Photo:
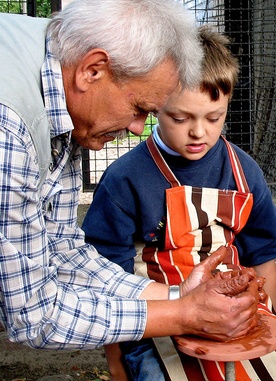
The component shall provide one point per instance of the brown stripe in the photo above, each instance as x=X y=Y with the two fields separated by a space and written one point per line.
x=191 y=367
x=206 y=243
x=202 y=217
x=201 y=214
x=261 y=370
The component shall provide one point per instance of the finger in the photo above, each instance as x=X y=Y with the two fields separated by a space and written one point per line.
x=223 y=275
x=232 y=286
x=262 y=295
x=226 y=274
x=249 y=271
x=231 y=266
x=217 y=257
x=260 y=281
x=253 y=288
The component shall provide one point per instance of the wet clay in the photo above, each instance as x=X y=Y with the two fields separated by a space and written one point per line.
x=259 y=342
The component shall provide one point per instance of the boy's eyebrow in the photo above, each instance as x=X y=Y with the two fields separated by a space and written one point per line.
x=178 y=109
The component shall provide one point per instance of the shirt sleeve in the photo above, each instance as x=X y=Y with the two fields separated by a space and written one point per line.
x=56 y=291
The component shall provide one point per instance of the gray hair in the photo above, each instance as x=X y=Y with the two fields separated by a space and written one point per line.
x=137 y=34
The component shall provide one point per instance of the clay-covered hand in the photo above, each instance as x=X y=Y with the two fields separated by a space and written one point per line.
x=261 y=295
x=223 y=309
x=204 y=270
x=207 y=270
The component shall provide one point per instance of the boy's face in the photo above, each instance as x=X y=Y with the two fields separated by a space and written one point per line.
x=190 y=123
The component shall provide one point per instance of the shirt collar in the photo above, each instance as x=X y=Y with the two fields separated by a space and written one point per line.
x=54 y=95
x=161 y=144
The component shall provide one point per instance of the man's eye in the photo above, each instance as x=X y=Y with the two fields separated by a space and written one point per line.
x=140 y=111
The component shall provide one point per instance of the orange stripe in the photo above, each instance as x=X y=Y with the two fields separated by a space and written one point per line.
x=213 y=370
x=242 y=205
x=244 y=213
x=241 y=374
x=179 y=218
x=173 y=276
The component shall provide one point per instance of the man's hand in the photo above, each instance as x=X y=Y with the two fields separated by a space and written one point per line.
x=204 y=270
x=217 y=305
x=222 y=309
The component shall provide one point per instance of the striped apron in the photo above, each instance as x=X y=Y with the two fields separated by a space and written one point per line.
x=199 y=221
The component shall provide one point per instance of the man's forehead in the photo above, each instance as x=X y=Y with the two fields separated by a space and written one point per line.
x=153 y=101
x=149 y=93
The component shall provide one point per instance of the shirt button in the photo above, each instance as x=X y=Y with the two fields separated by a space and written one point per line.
x=55 y=152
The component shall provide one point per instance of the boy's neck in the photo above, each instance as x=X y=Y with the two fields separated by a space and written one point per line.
x=161 y=144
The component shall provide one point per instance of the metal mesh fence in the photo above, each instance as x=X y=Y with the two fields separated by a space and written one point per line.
x=251 y=26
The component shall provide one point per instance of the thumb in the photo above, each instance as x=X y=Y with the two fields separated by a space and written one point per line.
x=210 y=263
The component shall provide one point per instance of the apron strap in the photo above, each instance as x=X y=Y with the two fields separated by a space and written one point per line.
x=170 y=177
x=237 y=168
x=161 y=163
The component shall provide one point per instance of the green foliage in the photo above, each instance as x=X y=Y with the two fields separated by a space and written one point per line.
x=11 y=7
x=43 y=7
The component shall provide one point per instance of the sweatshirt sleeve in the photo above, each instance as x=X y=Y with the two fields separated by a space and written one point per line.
x=110 y=227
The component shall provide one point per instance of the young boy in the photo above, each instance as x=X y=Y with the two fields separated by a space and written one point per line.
x=176 y=198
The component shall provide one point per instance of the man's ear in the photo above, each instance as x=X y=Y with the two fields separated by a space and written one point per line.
x=92 y=67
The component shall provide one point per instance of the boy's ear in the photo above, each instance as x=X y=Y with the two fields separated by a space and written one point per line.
x=92 y=67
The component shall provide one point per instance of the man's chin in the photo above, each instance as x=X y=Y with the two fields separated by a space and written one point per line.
x=98 y=144
x=122 y=134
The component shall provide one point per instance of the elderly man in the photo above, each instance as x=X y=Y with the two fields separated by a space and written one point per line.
x=106 y=64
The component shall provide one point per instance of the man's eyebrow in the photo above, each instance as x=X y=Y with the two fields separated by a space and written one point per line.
x=146 y=109
x=143 y=110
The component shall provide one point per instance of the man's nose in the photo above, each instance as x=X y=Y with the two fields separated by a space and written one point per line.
x=138 y=125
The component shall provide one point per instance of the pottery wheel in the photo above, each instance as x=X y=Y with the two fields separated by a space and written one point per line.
x=259 y=342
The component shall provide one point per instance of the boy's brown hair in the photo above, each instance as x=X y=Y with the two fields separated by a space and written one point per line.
x=220 y=68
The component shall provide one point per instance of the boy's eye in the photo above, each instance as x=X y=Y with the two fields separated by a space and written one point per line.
x=179 y=120
x=213 y=120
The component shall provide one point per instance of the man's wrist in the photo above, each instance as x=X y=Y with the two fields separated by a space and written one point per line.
x=174 y=292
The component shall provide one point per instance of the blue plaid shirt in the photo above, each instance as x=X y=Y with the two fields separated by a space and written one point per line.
x=56 y=291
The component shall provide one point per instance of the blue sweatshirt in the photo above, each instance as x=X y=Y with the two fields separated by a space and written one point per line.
x=129 y=203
